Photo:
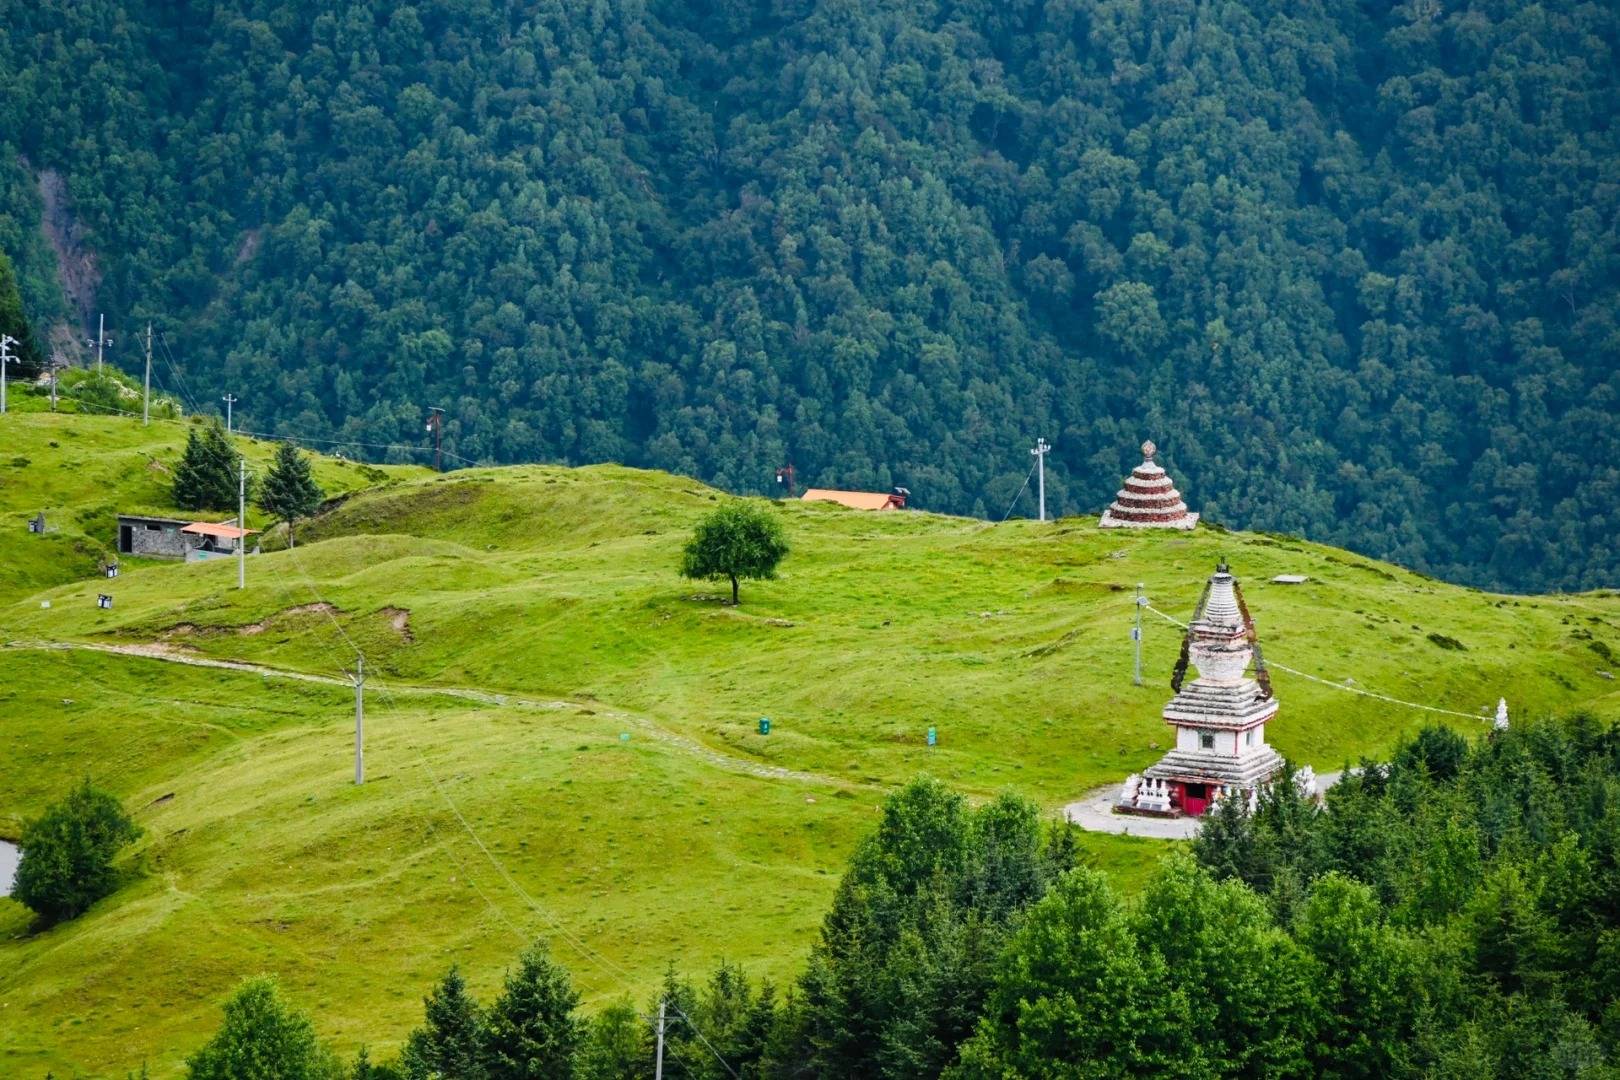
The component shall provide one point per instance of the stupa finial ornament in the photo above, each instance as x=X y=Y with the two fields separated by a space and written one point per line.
x=1148 y=450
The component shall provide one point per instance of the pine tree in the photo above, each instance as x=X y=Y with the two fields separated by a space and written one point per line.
x=263 y=1038
x=289 y=491
x=206 y=478
x=532 y=1031
x=451 y=1036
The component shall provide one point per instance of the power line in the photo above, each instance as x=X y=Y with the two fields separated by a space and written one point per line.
x=1328 y=682
x=1021 y=488
x=174 y=369
x=556 y=924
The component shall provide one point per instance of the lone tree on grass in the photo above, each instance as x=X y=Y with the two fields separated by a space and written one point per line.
x=68 y=853
x=736 y=541
x=206 y=477
x=289 y=491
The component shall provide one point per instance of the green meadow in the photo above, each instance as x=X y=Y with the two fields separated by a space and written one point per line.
x=562 y=734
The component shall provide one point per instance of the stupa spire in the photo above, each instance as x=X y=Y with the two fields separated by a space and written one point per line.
x=1148 y=500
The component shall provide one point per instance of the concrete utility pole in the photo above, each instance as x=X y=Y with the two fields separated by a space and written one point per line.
x=436 y=425
x=146 y=398
x=658 y=1062
x=101 y=340
x=360 y=720
x=1136 y=633
x=6 y=360
x=229 y=400
x=1042 y=448
x=56 y=365
x=241 y=522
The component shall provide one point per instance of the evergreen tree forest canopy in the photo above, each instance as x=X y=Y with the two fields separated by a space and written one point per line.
x=1454 y=912
x=1356 y=267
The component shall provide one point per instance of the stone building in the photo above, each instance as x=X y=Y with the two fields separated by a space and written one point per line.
x=156 y=537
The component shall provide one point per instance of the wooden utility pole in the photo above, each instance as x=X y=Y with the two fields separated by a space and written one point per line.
x=146 y=398
x=785 y=475
x=436 y=425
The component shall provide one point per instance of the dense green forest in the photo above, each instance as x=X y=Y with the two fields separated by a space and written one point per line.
x=1355 y=266
x=1454 y=912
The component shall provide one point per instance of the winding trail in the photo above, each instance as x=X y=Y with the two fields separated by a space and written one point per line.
x=1093 y=812
x=676 y=741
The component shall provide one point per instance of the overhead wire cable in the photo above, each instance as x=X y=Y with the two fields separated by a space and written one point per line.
x=1335 y=685
x=1021 y=489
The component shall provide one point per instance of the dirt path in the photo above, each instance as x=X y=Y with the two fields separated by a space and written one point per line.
x=681 y=743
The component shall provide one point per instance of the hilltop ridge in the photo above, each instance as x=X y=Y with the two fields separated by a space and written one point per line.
x=552 y=708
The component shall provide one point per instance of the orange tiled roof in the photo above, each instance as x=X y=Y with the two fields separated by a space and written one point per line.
x=855 y=500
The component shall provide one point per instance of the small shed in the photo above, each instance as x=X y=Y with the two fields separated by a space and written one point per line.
x=859 y=500
x=213 y=540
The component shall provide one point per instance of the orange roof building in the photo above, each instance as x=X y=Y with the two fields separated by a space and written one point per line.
x=858 y=500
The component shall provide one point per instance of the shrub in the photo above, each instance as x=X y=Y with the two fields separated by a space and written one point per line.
x=68 y=853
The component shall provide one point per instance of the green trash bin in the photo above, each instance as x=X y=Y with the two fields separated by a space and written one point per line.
x=764 y=725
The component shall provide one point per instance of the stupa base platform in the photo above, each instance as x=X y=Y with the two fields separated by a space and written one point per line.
x=1184 y=522
x=1138 y=811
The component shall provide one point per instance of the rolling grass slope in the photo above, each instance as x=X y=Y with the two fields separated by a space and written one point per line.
x=546 y=598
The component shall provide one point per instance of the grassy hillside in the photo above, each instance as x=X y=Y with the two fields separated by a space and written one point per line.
x=551 y=593
x=82 y=471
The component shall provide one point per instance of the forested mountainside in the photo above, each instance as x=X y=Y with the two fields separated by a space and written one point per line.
x=1355 y=267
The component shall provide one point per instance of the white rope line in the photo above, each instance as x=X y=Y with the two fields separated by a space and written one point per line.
x=1270 y=663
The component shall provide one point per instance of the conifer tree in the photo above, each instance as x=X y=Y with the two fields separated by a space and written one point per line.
x=532 y=1032
x=263 y=1038
x=615 y=1046
x=289 y=491
x=13 y=322
x=206 y=478
x=449 y=1042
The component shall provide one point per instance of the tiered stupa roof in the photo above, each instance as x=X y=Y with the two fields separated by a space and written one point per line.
x=1148 y=500
x=1220 y=643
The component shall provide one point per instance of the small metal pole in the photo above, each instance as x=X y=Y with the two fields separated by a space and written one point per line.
x=658 y=1066
x=1042 y=448
x=241 y=522
x=146 y=393
x=360 y=721
x=6 y=359
x=1141 y=602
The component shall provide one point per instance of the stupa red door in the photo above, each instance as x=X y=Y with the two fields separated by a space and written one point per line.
x=1194 y=798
